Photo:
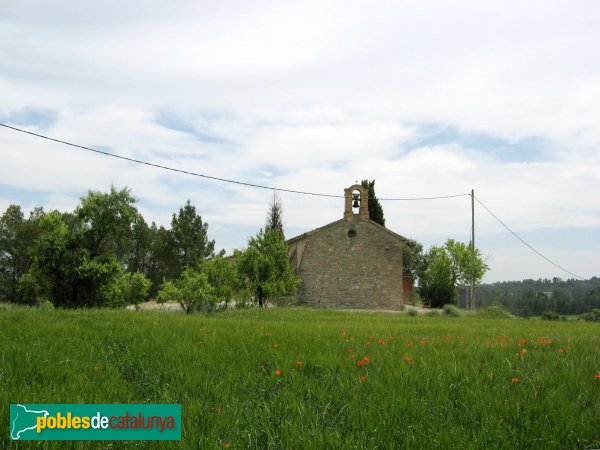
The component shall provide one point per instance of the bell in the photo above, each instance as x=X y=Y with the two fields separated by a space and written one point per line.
x=355 y=204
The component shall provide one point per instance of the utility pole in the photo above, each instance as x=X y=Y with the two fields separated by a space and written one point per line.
x=472 y=293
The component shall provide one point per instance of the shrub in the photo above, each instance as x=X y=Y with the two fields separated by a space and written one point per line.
x=192 y=291
x=493 y=312
x=412 y=312
x=45 y=305
x=550 y=315
x=433 y=313
x=592 y=316
x=452 y=310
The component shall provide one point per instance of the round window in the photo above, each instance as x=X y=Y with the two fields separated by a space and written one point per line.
x=352 y=233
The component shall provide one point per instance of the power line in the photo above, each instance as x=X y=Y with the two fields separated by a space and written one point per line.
x=210 y=177
x=520 y=239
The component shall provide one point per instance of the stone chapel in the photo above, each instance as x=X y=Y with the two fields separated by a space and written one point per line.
x=352 y=262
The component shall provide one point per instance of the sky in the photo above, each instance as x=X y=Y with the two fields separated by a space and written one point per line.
x=428 y=98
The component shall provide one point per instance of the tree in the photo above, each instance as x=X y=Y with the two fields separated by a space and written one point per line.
x=375 y=208
x=436 y=279
x=57 y=255
x=79 y=259
x=266 y=268
x=16 y=239
x=141 y=246
x=444 y=267
x=192 y=291
x=190 y=238
x=412 y=257
x=164 y=261
x=223 y=277
x=107 y=219
x=274 y=220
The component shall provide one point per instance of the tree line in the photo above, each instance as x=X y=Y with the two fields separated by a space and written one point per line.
x=104 y=254
x=533 y=297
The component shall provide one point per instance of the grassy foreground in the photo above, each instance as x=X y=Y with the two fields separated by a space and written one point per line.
x=300 y=378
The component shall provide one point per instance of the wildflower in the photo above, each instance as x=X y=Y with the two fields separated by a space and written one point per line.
x=522 y=342
x=515 y=380
x=369 y=343
x=366 y=360
x=218 y=410
x=343 y=332
x=560 y=350
x=597 y=377
x=363 y=377
x=275 y=345
x=421 y=342
x=352 y=357
x=381 y=342
x=227 y=445
x=522 y=352
x=410 y=344
x=360 y=363
x=406 y=357
x=350 y=350
x=371 y=337
x=277 y=372
x=299 y=363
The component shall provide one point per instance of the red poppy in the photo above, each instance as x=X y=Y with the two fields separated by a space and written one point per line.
x=277 y=372
x=299 y=363
x=343 y=332
x=597 y=377
x=359 y=363
x=381 y=342
x=515 y=380
x=363 y=377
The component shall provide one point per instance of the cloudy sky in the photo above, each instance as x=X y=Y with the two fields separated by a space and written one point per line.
x=428 y=98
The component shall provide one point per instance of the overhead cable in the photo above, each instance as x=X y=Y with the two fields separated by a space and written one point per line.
x=210 y=177
x=530 y=247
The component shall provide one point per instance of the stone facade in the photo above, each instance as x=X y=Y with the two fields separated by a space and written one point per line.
x=350 y=263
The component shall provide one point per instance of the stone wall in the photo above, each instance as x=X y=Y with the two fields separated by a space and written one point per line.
x=350 y=264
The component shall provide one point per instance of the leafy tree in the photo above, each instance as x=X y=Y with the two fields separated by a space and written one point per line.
x=375 y=208
x=274 y=220
x=57 y=255
x=164 y=262
x=190 y=238
x=223 y=277
x=192 y=291
x=107 y=219
x=129 y=289
x=141 y=246
x=266 y=268
x=16 y=239
x=437 y=281
x=78 y=259
x=412 y=257
x=443 y=268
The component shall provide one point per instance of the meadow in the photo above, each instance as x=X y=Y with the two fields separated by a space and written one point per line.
x=303 y=378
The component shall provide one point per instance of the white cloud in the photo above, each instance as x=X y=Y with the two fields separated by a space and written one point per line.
x=310 y=96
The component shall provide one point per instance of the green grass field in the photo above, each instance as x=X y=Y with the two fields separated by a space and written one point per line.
x=344 y=379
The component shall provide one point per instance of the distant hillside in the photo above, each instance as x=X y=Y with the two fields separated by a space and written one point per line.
x=532 y=297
